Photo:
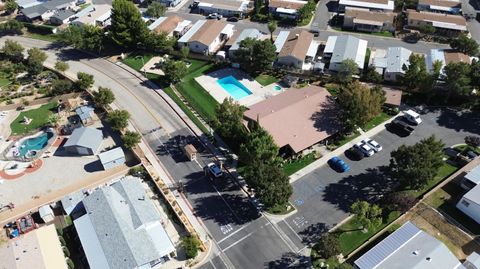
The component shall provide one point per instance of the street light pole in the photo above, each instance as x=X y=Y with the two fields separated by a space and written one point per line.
x=143 y=65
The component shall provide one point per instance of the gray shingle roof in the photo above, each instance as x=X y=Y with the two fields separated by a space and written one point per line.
x=54 y=4
x=409 y=247
x=111 y=155
x=252 y=33
x=396 y=58
x=85 y=137
x=34 y=11
x=84 y=112
x=62 y=15
x=346 y=47
x=118 y=214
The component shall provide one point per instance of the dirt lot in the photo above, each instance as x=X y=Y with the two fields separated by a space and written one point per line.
x=429 y=220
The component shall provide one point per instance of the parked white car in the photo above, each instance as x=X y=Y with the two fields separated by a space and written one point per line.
x=364 y=148
x=412 y=117
x=373 y=144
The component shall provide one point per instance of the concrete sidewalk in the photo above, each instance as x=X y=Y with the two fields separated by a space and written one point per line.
x=323 y=160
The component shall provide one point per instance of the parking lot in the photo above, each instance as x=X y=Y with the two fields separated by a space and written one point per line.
x=323 y=197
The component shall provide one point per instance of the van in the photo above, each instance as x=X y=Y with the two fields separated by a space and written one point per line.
x=412 y=117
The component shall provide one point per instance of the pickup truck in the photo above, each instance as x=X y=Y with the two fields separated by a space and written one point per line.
x=400 y=127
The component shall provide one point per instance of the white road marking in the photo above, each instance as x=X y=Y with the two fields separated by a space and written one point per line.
x=219 y=194
x=214 y=267
x=225 y=238
x=226 y=228
x=290 y=227
x=238 y=241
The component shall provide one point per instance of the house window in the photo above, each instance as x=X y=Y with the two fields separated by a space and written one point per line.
x=465 y=203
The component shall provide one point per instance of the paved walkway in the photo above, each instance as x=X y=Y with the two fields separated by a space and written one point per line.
x=323 y=160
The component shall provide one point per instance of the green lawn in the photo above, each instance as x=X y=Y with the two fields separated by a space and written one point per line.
x=377 y=120
x=294 y=166
x=280 y=209
x=265 y=79
x=198 y=98
x=384 y=34
x=46 y=37
x=465 y=147
x=4 y=82
x=343 y=140
x=135 y=60
x=445 y=170
x=351 y=236
x=39 y=118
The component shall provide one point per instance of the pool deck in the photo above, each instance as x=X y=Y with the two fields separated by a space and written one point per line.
x=259 y=92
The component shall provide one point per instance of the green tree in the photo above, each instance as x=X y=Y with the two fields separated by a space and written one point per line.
x=11 y=6
x=61 y=86
x=11 y=27
x=272 y=26
x=472 y=140
x=255 y=56
x=415 y=165
x=118 y=119
x=184 y=52
x=103 y=97
x=465 y=45
x=228 y=123
x=400 y=201
x=328 y=246
x=475 y=73
x=61 y=66
x=88 y=37
x=53 y=120
x=84 y=81
x=343 y=266
x=271 y=184
x=190 y=244
x=370 y=75
x=156 y=10
x=259 y=146
x=457 y=79
x=305 y=13
x=415 y=73
x=347 y=69
x=367 y=215
x=127 y=28
x=131 y=139
x=427 y=29
x=174 y=70
x=359 y=104
x=158 y=42
x=257 y=6
x=13 y=50
x=35 y=61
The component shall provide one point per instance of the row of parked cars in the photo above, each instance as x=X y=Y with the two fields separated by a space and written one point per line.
x=368 y=147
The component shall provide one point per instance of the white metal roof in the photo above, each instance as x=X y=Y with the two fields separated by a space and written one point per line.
x=280 y=40
x=228 y=29
x=192 y=31
x=473 y=195
x=91 y=245
x=286 y=11
x=433 y=56
x=160 y=238
x=111 y=155
x=474 y=175
x=330 y=44
x=182 y=25
x=396 y=58
x=364 y=4
x=312 y=49
x=445 y=25
x=156 y=23
x=45 y=210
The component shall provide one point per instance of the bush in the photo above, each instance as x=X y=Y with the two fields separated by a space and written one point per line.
x=70 y=263
x=191 y=245
x=473 y=141
x=328 y=246
x=39 y=28
x=66 y=252
x=62 y=240
x=139 y=171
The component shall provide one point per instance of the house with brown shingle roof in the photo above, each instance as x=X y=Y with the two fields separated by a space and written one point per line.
x=364 y=20
x=297 y=118
x=444 y=23
x=171 y=25
x=298 y=51
x=206 y=36
x=445 y=57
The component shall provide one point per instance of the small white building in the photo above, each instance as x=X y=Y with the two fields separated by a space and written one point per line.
x=285 y=8
x=46 y=213
x=373 y=5
x=227 y=8
x=206 y=37
x=470 y=204
x=340 y=48
x=391 y=65
x=98 y=15
x=112 y=158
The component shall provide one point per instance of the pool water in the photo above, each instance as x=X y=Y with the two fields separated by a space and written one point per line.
x=34 y=144
x=277 y=88
x=236 y=89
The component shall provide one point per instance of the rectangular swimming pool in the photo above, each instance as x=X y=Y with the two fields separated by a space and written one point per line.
x=236 y=89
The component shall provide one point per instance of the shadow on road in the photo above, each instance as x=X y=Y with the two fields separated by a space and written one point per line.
x=289 y=260
x=174 y=147
x=467 y=121
x=312 y=233
x=365 y=186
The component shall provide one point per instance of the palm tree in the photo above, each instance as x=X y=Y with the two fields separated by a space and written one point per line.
x=272 y=26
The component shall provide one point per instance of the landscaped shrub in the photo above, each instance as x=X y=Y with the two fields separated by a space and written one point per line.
x=191 y=245
x=70 y=263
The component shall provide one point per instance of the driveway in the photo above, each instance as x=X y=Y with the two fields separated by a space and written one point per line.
x=323 y=197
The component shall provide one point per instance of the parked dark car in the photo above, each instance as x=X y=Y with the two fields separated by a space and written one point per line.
x=400 y=127
x=354 y=154
x=232 y=19
x=338 y=165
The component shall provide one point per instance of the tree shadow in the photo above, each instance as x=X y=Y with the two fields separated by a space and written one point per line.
x=174 y=147
x=332 y=6
x=290 y=260
x=369 y=186
x=327 y=118
x=312 y=233
x=466 y=121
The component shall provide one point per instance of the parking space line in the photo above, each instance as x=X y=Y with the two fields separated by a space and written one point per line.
x=214 y=267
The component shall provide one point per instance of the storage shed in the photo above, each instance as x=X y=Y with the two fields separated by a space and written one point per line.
x=112 y=158
x=84 y=141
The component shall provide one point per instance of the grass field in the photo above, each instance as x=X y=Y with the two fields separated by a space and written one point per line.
x=4 y=82
x=135 y=60
x=377 y=120
x=265 y=79
x=47 y=37
x=281 y=209
x=39 y=118
x=383 y=34
x=198 y=98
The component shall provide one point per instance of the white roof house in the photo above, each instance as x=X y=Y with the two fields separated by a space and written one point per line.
x=340 y=48
x=96 y=15
x=247 y=33
x=470 y=203
x=122 y=228
x=280 y=40
x=409 y=247
x=186 y=37
x=474 y=175
x=385 y=5
x=392 y=64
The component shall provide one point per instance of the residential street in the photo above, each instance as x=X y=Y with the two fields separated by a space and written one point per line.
x=226 y=212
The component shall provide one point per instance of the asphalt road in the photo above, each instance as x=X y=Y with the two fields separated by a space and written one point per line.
x=229 y=217
x=324 y=196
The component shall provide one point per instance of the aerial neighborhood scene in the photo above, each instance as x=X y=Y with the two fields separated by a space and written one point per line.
x=326 y=134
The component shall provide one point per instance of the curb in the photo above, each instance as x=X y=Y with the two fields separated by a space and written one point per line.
x=281 y=217
x=207 y=255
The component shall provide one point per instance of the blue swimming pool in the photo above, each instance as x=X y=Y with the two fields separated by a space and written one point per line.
x=236 y=89
x=33 y=144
